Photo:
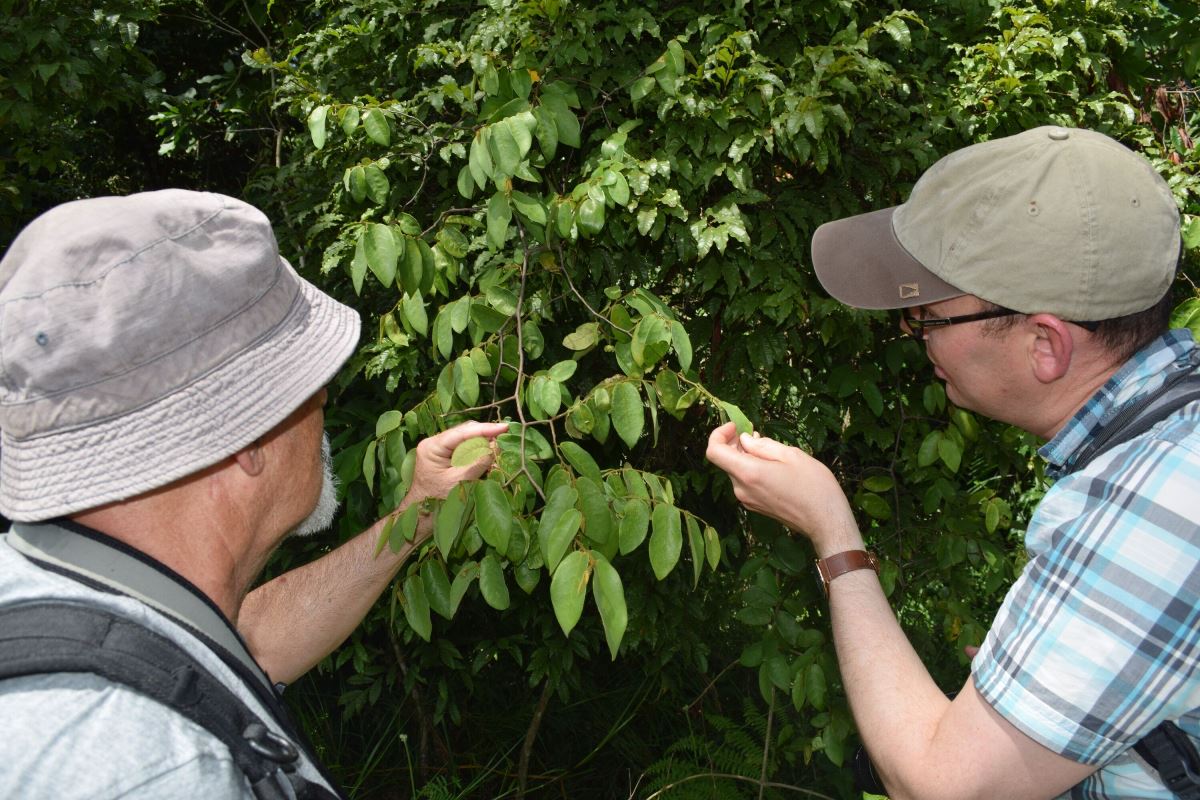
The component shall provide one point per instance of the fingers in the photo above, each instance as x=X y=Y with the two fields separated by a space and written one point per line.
x=442 y=445
x=763 y=447
x=722 y=446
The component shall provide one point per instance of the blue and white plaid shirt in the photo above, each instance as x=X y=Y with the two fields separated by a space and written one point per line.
x=1098 y=641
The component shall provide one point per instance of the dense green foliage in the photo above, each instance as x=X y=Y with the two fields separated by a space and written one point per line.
x=592 y=220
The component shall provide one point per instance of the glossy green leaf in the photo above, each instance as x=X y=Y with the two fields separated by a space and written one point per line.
x=469 y=451
x=590 y=216
x=416 y=607
x=358 y=184
x=375 y=123
x=815 y=686
x=351 y=116
x=568 y=589
x=666 y=539
x=928 y=452
x=738 y=418
x=562 y=371
x=682 y=345
x=493 y=514
x=609 y=594
x=550 y=533
x=466 y=382
x=447 y=522
x=635 y=523
x=379 y=247
x=597 y=516
x=368 y=466
x=695 y=548
x=316 y=125
x=437 y=587
x=499 y=214
x=628 y=415
x=377 y=184
x=583 y=337
x=480 y=160
x=712 y=547
x=467 y=573
x=492 y=584
x=506 y=154
x=560 y=536
x=580 y=459
x=412 y=264
x=949 y=452
x=414 y=311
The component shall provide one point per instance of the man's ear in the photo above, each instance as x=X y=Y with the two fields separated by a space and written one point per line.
x=251 y=458
x=1052 y=347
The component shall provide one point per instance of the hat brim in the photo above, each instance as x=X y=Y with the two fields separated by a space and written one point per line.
x=209 y=419
x=860 y=262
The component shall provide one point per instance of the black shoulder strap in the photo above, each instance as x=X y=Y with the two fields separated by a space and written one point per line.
x=1134 y=420
x=1169 y=750
x=60 y=636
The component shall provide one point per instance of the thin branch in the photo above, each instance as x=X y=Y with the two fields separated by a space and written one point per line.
x=762 y=775
x=531 y=737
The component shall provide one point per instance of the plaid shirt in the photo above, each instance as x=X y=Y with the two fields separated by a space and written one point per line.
x=1098 y=640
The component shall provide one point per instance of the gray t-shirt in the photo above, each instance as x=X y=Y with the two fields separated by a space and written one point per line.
x=67 y=736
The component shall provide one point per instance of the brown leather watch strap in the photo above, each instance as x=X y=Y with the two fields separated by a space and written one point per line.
x=841 y=563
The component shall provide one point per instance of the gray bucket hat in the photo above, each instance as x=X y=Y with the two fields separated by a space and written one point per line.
x=144 y=338
x=1053 y=220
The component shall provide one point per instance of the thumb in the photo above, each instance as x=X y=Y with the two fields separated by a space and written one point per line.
x=764 y=447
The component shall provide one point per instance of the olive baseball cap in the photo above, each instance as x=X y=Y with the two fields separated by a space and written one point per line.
x=1054 y=220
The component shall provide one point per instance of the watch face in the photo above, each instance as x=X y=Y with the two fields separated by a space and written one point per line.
x=820 y=578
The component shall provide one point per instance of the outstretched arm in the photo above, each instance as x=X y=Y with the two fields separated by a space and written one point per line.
x=292 y=622
x=923 y=745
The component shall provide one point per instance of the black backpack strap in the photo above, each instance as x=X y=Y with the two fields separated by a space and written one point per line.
x=1170 y=751
x=58 y=636
x=1139 y=417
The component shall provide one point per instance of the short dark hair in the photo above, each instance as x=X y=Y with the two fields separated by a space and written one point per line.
x=1122 y=336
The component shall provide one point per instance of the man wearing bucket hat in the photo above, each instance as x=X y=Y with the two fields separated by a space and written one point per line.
x=162 y=374
x=1036 y=269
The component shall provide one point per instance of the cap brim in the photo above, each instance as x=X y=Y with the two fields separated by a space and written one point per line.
x=860 y=262
x=202 y=423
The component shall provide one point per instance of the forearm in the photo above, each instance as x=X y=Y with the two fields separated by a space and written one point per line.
x=895 y=703
x=292 y=622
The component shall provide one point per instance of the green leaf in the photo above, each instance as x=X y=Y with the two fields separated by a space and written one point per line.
x=546 y=132
x=412 y=265
x=413 y=306
x=466 y=382
x=499 y=214
x=609 y=594
x=585 y=336
x=405 y=527
x=316 y=125
x=640 y=88
x=991 y=518
x=350 y=119
x=696 y=548
x=491 y=582
x=580 y=459
x=628 y=416
x=949 y=452
x=469 y=451
x=368 y=466
x=529 y=207
x=462 y=582
x=447 y=522
x=376 y=125
x=466 y=183
x=740 y=420
x=590 y=216
x=562 y=371
x=712 y=547
x=815 y=687
x=597 y=516
x=928 y=452
x=650 y=339
x=358 y=266
x=875 y=506
x=388 y=421
x=493 y=514
x=505 y=150
x=380 y=249
x=568 y=588
x=666 y=540
x=437 y=587
x=480 y=160
x=635 y=523
x=567 y=124
x=682 y=345
x=377 y=184
x=357 y=177
x=416 y=607
x=552 y=529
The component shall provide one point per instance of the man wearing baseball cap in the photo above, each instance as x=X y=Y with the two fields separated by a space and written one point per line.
x=162 y=374
x=1036 y=269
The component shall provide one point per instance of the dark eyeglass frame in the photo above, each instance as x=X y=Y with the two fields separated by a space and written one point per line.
x=917 y=326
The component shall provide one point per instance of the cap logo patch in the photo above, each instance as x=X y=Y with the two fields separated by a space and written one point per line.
x=909 y=291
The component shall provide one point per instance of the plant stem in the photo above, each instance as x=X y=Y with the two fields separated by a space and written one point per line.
x=530 y=737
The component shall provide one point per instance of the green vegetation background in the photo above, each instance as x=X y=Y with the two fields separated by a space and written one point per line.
x=593 y=219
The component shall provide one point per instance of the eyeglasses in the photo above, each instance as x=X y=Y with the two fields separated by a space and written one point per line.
x=917 y=326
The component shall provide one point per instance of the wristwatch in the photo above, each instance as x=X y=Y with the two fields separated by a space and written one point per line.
x=843 y=562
